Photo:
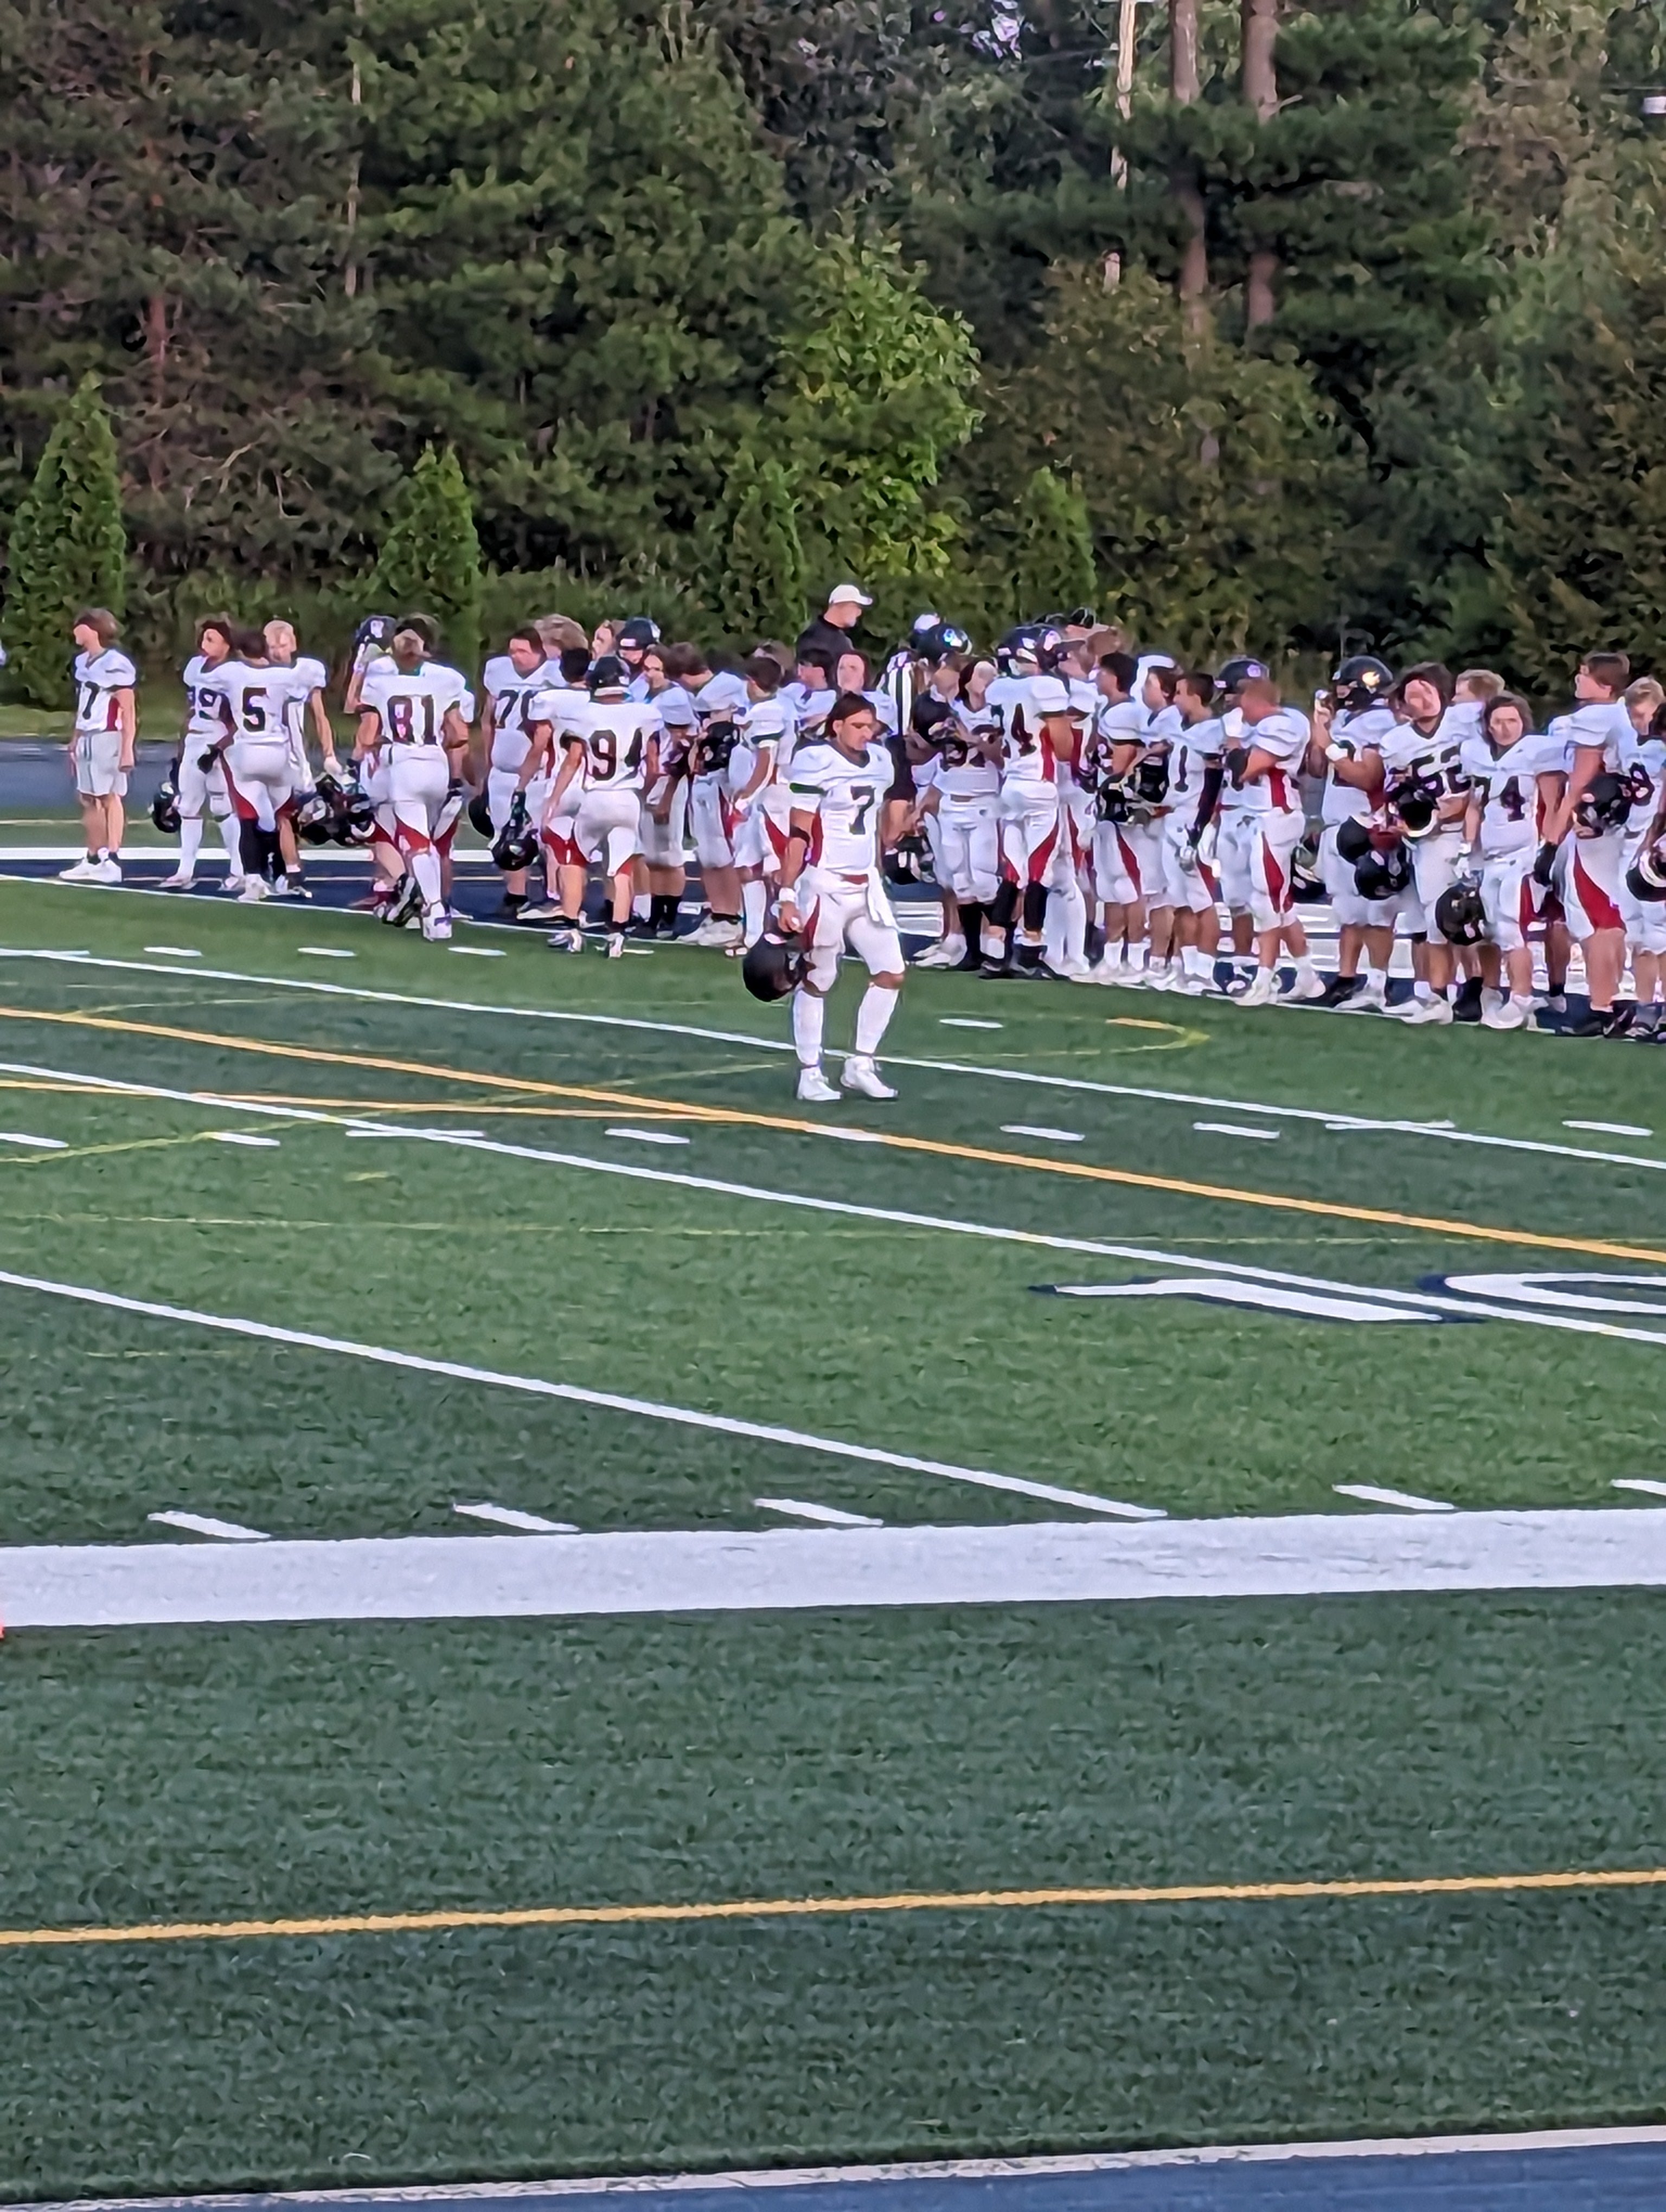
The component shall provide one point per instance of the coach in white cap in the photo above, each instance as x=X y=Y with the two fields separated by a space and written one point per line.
x=829 y=634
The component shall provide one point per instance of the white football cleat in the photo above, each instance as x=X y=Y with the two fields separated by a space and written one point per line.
x=179 y=881
x=436 y=927
x=78 y=872
x=566 y=940
x=860 y=1074
x=234 y=886
x=616 y=944
x=253 y=891
x=814 y=1089
x=108 y=871
x=1509 y=1016
x=1429 y=1012
x=1369 y=999
x=1263 y=990
x=947 y=952
x=1304 y=988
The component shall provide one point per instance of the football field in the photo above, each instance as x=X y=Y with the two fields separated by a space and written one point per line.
x=671 y=1642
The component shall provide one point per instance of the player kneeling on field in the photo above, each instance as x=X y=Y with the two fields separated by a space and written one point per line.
x=832 y=892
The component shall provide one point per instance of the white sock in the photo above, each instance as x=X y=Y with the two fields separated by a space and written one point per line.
x=1522 y=999
x=643 y=905
x=953 y=945
x=1192 y=960
x=1136 y=959
x=1113 y=954
x=754 y=905
x=1304 y=967
x=809 y=1014
x=1075 y=924
x=231 y=837
x=190 y=842
x=1422 y=990
x=425 y=866
x=872 y=1019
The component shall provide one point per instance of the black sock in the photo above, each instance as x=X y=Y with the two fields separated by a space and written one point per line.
x=1004 y=906
x=1030 y=955
x=971 y=924
x=662 y=910
x=1035 y=905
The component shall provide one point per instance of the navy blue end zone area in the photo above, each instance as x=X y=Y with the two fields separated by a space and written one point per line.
x=1586 y=2170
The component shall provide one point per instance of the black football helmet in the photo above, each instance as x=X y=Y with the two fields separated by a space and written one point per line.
x=1307 y=885
x=480 y=817
x=165 y=806
x=1459 y=914
x=1645 y=878
x=355 y=817
x=1605 y=804
x=1149 y=779
x=1362 y=681
x=908 y=861
x=316 y=815
x=1353 y=841
x=373 y=636
x=610 y=673
x=1382 y=875
x=640 y=630
x=1236 y=673
x=1022 y=643
x=1416 y=799
x=774 y=967
x=940 y=641
x=516 y=845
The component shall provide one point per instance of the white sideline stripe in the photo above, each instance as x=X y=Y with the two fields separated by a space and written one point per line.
x=1073 y=2162
x=647 y=1136
x=176 y=951
x=1640 y=1482
x=506 y=1516
x=1407 y=1499
x=964 y=1022
x=1270 y=1297
x=203 y=1524
x=1033 y=1129
x=796 y=1569
x=315 y=952
x=830 y=1515
x=612 y=1402
x=1481 y=1306
x=1611 y=1128
x=241 y=1137
x=1236 y=1129
x=479 y=951
x=38 y=1144
x=1325 y=1117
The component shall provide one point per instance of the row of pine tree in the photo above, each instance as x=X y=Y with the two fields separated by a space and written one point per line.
x=1297 y=323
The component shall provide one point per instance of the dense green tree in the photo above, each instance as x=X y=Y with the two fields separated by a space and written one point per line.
x=430 y=558
x=1053 y=556
x=68 y=547
x=757 y=558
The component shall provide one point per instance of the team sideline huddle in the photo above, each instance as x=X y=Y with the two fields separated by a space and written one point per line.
x=1086 y=812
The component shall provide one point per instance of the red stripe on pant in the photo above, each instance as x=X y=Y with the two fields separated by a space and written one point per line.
x=1600 y=908
x=408 y=840
x=1130 y=864
x=245 y=809
x=1278 y=883
x=1042 y=858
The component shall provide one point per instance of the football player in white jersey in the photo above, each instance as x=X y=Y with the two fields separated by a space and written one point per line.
x=1121 y=857
x=665 y=803
x=1645 y=919
x=1588 y=830
x=611 y=748
x=303 y=680
x=1426 y=790
x=761 y=804
x=1265 y=765
x=1152 y=772
x=411 y=710
x=101 y=750
x=959 y=788
x=198 y=776
x=1193 y=888
x=512 y=680
x=1515 y=779
x=1351 y=723
x=1030 y=711
x=833 y=894
x=718 y=703
x=253 y=749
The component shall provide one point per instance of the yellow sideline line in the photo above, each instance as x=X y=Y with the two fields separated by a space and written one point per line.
x=824 y=1908
x=1080 y=1170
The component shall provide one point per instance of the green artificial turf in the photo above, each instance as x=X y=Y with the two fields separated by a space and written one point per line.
x=253 y=1772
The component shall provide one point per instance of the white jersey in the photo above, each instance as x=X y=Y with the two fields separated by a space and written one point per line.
x=960 y=770
x=1646 y=764
x=1284 y=734
x=204 y=720
x=768 y=727
x=719 y=705
x=674 y=707
x=1196 y=751
x=1436 y=757
x=1506 y=785
x=292 y=685
x=615 y=736
x=1017 y=707
x=1363 y=733
x=1603 y=723
x=845 y=797
x=511 y=696
x=412 y=704
x=252 y=704
x=1115 y=722
x=98 y=676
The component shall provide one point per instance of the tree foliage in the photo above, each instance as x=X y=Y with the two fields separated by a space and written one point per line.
x=430 y=558
x=67 y=548
x=757 y=558
x=1053 y=556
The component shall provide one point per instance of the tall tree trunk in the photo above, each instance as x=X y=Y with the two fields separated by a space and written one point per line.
x=1127 y=31
x=1259 y=22
x=1185 y=87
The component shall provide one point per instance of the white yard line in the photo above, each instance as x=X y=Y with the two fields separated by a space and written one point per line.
x=508 y=1516
x=647 y=1136
x=1611 y=1128
x=792 y=1570
x=613 y=1401
x=203 y=1524
x=1047 y=1136
x=1268 y=1297
x=176 y=951
x=240 y=1137
x=1640 y=1482
x=1482 y=1305
x=1407 y=1500
x=1236 y=1129
x=35 y=1143
x=1324 y=1117
x=830 y=1515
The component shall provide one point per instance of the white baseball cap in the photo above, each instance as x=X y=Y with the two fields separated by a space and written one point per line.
x=848 y=595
